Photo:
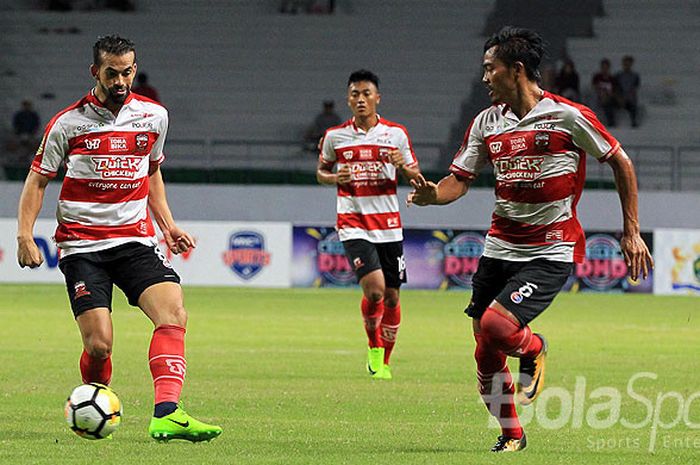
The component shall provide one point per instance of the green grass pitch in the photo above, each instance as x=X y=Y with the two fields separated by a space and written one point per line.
x=283 y=372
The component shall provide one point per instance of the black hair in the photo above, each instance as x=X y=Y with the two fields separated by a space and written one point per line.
x=113 y=45
x=518 y=44
x=364 y=75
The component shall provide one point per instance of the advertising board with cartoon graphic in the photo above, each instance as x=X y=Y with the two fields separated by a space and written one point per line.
x=677 y=257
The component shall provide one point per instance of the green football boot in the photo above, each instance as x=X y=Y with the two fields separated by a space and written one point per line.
x=180 y=425
x=375 y=361
x=384 y=373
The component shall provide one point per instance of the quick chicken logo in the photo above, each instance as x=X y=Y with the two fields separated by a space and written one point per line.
x=518 y=168
x=117 y=167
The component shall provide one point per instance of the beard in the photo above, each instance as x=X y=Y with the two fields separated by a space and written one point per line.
x=117 y=98
x=113 y=97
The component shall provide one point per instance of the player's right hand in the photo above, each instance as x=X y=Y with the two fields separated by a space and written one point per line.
x=343 y=176
x=424 y=192
x=28 y=253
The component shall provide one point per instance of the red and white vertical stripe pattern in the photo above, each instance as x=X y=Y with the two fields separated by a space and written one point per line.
x=104 y=196
x=368 y=207
x=539 y=165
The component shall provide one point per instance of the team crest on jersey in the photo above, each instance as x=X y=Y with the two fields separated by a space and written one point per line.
x=92 y=144
x=141 y=142
x=541 y=141
x=347 y=154
x=246 y=254
x=495 y=147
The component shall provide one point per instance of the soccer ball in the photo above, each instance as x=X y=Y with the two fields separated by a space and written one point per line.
x=93 y=411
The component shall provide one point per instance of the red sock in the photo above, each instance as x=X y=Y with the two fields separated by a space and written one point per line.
x=508 y=336
x=389 y=327
x=166 y=358
x=95 y=370
x=372 y=314
x=496 y=386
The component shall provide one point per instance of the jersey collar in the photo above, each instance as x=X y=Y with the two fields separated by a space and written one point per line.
x=354 y=126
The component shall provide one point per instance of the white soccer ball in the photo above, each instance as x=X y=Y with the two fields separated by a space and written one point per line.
x=93 y=411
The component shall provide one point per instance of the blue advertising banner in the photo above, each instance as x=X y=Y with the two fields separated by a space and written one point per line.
x=448 y=258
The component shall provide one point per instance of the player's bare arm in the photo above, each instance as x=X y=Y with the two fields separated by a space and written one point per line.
x=637 y=256
x=178 y=240
x=30 y=202
x=326 y=176
x=409 y=172
x=425 y=192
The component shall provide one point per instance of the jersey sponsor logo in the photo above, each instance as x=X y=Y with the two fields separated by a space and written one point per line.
x=92 y=144
x=81 y=290
x=365 y=154
x=89 y=127
x=141 y=142
x=117 y=167
x=141 y=115
x=142 y=125
x=118 y=144
x=392 y=222
x=518 y=143
x=461 y=257
x=246 y=255
x=496 y=147
x=518 y=168
x=555 y=235
x=548 y=126
x=364 y=171
x=541 y=141
x=523 y=292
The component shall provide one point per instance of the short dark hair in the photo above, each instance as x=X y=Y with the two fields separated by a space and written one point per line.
x=113 y=44
x=363 y=75
x=518 y=44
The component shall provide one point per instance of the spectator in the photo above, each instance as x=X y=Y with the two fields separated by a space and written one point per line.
x=604 y=86
x=144 y=88
x=324 y=120
x=628 y=82
x=567 y=82
x=26 y=123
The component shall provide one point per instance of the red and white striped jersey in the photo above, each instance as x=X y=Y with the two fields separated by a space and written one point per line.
x=367 y=206
x=540 y=167
x=104 y=197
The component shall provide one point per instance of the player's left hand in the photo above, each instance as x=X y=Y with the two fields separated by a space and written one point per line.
x=178 y=240
x=637 y=256
x=396 y=158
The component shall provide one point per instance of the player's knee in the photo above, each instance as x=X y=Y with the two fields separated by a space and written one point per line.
x=99 y=348
x=490 y=325
x=391 y=298
x=179 y=315
x=375 y=295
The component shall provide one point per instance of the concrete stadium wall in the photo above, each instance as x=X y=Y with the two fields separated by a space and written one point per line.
x=316 y=205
